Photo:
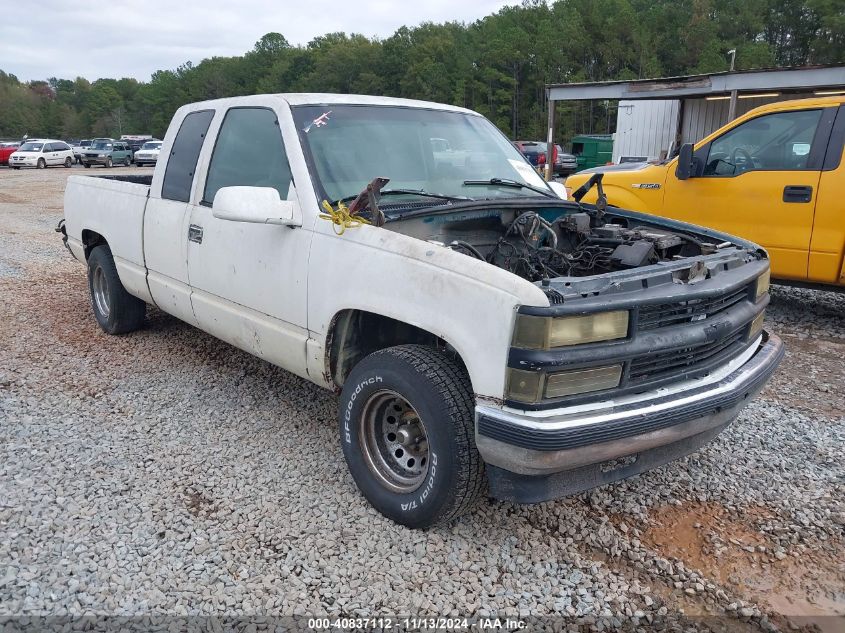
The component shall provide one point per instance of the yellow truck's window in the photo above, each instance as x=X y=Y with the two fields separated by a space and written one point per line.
x=774 y=142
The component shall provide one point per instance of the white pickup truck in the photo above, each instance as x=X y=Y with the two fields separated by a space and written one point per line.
x=484 y=334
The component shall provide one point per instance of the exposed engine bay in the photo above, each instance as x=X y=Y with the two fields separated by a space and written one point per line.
x=550 y=243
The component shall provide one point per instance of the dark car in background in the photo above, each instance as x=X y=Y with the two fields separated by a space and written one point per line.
x=535 y=152
x=107 y=152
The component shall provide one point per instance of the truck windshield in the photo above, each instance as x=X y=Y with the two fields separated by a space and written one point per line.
x=152 y=145
x=423 y=150
x=101 y=145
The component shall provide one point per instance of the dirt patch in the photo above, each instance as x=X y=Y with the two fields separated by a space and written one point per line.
x=197 y=503
x=731 y=551
x=8 y=198
x=811 y=375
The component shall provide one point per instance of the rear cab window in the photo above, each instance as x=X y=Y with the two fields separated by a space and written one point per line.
x=182 y=162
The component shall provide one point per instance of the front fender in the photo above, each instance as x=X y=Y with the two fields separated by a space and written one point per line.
x=638 y=186
x=468 y=303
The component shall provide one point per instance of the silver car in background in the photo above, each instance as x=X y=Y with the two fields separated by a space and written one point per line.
x=148 y=154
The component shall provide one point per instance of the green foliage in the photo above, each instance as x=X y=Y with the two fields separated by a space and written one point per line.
x=498 y=65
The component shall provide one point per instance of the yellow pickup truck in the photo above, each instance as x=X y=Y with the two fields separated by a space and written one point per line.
x=774 y=176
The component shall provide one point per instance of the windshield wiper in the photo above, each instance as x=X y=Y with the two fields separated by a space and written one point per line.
x=413 y=192
x=423 y=192
x=507 y=182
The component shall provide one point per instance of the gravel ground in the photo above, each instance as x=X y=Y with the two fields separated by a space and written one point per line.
x=167 y=473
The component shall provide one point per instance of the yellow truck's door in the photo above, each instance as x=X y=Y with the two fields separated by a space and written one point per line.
x=759 y=180
x=827 y=259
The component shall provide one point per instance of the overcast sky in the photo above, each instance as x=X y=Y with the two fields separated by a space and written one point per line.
x=134 y=38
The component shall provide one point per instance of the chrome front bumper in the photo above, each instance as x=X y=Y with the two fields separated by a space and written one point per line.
x=549 y=446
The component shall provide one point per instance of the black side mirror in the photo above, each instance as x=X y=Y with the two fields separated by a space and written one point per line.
x=686 y=165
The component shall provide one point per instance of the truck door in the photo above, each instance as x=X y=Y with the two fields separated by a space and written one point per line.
x=759 y=180
x=827 y=248
x=166 y=219
x=249 y=280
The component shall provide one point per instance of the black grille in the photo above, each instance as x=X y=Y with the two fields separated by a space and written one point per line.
x=662 y=364
x=666 y=314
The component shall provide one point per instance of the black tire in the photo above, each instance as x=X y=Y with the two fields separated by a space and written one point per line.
x=126 y=161
x=41 y=164
x=15 y=167
x=124 y=313
x=68 y=162
x=438 y=391
x=108 y=164
x=87 y=165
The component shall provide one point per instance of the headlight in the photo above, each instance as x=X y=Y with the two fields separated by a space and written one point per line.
x=763 y=282
x=530 y=386
x=756 y=326
x=101 y=155
x=532 y=332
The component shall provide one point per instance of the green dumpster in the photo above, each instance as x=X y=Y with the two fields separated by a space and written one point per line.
x=592 y=150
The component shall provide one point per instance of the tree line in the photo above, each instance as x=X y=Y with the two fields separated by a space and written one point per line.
x=498 y=65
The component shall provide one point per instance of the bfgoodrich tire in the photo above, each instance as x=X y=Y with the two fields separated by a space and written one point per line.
x=116 y=310
x=407 y=432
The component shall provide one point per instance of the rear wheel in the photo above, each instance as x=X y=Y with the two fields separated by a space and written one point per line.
x=108 y=162
x=126 y=161
x=41 y=164
x=116 y=310
x=68 y=162
x=407 y=432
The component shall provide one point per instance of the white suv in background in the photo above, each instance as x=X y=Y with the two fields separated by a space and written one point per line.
x=41 y=153
x=148 y=153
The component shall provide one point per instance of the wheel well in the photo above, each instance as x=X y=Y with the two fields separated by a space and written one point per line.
x=355 y=334
x=90 y=240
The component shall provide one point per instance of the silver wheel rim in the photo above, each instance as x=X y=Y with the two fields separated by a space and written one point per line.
x=394 y=442
x=100 y=287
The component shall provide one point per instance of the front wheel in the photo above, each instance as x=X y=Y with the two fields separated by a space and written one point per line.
x=41 y=164
x=116 y=310
x=87 y=165
x=108 y=162
x=407 y=432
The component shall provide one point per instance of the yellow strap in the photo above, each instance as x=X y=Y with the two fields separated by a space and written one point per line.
x=341 y=217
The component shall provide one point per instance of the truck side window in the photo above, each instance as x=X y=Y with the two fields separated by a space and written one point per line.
x=249 y=152
x=182 y=161
x=773 y=142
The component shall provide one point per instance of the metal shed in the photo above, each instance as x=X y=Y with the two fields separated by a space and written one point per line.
x=657 y=115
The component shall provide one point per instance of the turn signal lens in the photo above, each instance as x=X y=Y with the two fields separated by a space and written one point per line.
x=756 y=326
x=763 y=282
x=568 y=383
x=524 y=386
x=532 y=332
x=532 y=386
